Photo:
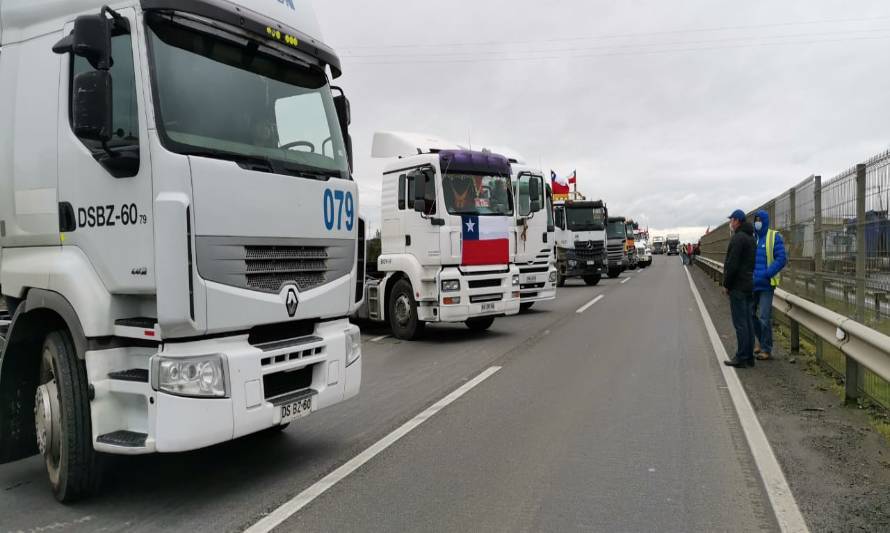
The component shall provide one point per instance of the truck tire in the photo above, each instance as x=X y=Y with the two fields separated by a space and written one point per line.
x=403 y=312
x=614 y=273
x=592 y=279
x=62 y=416
x=526 y=306
x=480 y=324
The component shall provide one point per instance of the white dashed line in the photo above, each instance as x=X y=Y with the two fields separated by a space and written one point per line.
x=380 y=338
x=589 y=304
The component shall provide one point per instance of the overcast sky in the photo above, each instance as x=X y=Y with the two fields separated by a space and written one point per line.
x=673 y=112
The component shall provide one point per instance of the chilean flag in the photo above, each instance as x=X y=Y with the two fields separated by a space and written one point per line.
x=559 y=185
x=486 y=240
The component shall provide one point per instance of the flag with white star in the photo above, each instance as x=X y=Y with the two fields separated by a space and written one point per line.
x=486 y=240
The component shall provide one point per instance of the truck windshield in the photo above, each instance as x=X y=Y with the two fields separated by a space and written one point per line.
x=229 y=100
x=585 y=219
x=477 y=195
x=616 y=230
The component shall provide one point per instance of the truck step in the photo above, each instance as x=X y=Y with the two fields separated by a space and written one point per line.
x=124 y=439
x=137 y=328
x=138 y=375
x=374 y=302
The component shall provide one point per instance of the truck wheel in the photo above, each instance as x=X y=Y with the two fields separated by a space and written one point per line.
x=62 y=417
x=614 y=274
x=403 y=312
x=526 y=306
x=480 y=324
x=592 y=279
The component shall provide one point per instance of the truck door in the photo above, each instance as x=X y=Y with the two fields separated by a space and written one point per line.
x=105 y=192
x=422 y=238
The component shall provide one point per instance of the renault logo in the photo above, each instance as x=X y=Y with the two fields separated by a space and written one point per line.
x=291 y=302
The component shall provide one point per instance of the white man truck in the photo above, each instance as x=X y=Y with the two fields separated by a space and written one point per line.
x=535 y=237
x=179 y=227
x=448 y=237
x=581 y=240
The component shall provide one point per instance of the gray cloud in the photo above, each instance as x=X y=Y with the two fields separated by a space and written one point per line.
x=667 y=123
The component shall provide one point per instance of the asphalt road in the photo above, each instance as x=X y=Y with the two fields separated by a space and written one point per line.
x=614 y=419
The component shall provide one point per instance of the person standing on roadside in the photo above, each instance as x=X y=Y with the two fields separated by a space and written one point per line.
x=771 y=259
x=683 y=254
x=738 y=284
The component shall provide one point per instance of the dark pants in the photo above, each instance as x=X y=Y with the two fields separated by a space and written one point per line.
x=741 y=305
x=763 y=319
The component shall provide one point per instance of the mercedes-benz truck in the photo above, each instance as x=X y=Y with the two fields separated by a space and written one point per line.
x=181 y=245
x=448 y=237
x=581 y=240
x=535 y=236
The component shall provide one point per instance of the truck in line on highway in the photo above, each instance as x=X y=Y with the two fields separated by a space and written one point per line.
x=616 y=246
x=535 y=235
x=658 y=245
x=630 y=245
x=644 y=252
x=178 y=270
x=673 y=244
x=448 y=237
x=581 y=240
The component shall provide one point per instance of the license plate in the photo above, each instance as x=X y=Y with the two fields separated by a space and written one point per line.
x=532 y=279
x=487 y=307
x=296 y=409
x=591 y=262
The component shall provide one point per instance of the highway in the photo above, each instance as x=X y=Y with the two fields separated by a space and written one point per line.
x=605 y=410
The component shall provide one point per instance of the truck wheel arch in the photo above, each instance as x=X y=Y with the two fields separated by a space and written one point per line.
x=39 y=313
x=390 y=284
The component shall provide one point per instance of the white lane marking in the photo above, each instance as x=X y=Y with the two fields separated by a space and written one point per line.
x=301 y=500
x=380 y=338
x=625 y=281
x=782 y=499
x=589 y=304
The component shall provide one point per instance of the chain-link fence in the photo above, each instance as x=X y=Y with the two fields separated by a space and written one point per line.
x=837 y=240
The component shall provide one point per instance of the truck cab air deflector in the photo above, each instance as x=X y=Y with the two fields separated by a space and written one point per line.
x=252 y=22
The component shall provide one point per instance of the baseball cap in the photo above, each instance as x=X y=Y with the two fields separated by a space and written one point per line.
x=738 y=214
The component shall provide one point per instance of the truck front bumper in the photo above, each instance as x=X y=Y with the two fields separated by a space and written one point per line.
x=537 y=286
x=480 y=295
x=259 y=380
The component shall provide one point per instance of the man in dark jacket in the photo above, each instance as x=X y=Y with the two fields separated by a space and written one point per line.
x=771 y=259
x=738 y=284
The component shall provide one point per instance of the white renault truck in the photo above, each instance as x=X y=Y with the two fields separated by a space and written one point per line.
x=535 y=236
x=448 y=237
x=179 y=227
x=581 y=240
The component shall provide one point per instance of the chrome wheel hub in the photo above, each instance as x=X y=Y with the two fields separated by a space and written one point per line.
x=403 y=310
x=46 y=419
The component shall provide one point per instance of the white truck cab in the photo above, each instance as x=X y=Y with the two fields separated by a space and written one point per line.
x=581 y=240
x=448 y=237
x=179 y=226
x=535 y=238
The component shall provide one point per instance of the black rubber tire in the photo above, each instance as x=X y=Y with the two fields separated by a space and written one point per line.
x=78 y=470
x=614 y=274
x=526 y=306
x=592 y=279
x=480 y=324
x=413 y=328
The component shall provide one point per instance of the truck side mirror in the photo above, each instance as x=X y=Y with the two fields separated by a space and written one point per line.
x=91 y=40
x=92 y=106
x=344 y=117
x=534 y=194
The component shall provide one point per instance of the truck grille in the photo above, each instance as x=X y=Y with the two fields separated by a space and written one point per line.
x=268 y=265
x=589 y=250
x=268 y=268
x=616 y=251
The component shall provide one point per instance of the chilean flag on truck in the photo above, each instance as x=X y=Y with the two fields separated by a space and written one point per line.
x=486 y=240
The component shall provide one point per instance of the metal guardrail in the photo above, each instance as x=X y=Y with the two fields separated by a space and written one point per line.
x=859 y=343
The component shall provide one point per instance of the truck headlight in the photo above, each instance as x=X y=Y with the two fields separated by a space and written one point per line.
x=516 y=280
x=553 y=277
x=450 y=285
x=200 y=377
x=353 y=345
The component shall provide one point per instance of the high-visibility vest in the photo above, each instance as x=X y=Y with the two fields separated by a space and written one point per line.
x=770 y=254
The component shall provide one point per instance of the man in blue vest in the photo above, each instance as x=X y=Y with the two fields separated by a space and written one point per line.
x=770 y=261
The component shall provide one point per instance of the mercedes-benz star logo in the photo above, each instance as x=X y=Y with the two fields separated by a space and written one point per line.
x=291 y=302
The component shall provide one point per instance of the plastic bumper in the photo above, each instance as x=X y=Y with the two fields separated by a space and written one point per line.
x=536 y=286
x=474 y=301
x=177 y=423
